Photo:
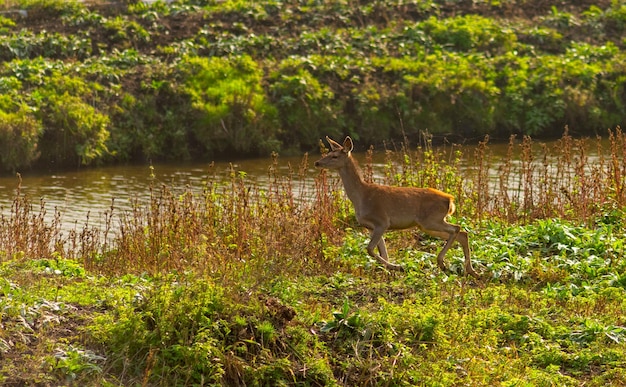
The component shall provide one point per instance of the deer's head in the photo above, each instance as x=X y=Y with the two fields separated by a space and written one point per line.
x=338 y=156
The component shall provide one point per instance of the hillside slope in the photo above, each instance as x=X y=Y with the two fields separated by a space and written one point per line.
x=204 y=79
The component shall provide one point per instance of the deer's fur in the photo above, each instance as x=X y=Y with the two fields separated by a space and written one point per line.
x=380 y=208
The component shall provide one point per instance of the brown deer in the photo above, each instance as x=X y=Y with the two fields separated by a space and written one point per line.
x=380 y=208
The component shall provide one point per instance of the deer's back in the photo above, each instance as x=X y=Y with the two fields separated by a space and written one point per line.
x=402 y=207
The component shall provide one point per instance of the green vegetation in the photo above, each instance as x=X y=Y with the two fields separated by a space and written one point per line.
x=235 y=284
x=92 y=82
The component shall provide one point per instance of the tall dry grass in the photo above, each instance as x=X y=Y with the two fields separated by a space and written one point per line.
x=576 y=178
x=566 y=180
x=238 y=231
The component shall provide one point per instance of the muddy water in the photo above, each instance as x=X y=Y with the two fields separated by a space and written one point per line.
x=86 y=195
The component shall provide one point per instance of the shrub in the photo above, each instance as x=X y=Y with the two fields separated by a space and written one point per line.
x=375 y=112
x=230 y=106
x=614 y=17
x=48 y=45
x=443 y=94
x=152 y=121
x=120 y=30
x=546 y=39
x=470 y=33
x=170 y=332
x=76 y=133
x=19 y=135
x=5 y=25
x=52 y=8
x=532 y=94
x=305 y=106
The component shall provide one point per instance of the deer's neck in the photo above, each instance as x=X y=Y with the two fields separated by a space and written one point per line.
x=352 y=180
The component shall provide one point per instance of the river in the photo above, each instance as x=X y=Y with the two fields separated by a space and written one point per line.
x=87 y=194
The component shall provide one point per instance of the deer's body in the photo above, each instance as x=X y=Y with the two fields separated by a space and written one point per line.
x=380 y=208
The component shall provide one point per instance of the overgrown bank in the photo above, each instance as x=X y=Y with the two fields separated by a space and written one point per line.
x=98 y=83
x=243 y=285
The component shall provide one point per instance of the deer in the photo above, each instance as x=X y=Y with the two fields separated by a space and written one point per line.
x=380 y=208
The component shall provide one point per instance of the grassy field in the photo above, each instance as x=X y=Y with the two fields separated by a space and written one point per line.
x=247 y=285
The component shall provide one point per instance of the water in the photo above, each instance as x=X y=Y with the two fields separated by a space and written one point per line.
x=86 y=195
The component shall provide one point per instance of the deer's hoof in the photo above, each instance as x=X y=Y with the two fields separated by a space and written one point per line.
x=395 y=267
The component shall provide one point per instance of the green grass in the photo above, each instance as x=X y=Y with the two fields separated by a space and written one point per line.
x=546 y=315
x=248 y=285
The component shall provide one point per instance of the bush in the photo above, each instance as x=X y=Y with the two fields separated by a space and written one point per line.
x=230 y=105
x=305 y=106
x=124 y=32
x=52 y=8
x=614 y=17
x=532 y=94
x=443 y=94
x=76 y=133
x=153 y=121
x=5 y=25
x=27 y=45
x=19 y=135
x=470 y=33
x=170 y=333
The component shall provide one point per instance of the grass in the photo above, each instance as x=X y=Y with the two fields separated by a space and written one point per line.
x=248 y=285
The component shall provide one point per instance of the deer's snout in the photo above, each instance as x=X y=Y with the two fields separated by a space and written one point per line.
x=317 y=163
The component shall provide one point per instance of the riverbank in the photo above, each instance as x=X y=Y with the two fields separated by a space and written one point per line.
x=242 y=285
x=85 y=196
x=193 y=80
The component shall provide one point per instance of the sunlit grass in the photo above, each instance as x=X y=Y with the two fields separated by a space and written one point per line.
x=240 y=284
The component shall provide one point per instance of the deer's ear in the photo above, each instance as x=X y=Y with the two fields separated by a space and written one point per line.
x=333 y=144
x=347 y=145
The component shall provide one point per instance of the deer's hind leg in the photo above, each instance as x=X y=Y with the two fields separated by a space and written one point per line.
x=450 y=233
x=449 y=238
x=464 y=241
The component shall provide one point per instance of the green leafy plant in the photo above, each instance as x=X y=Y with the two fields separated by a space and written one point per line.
x=76 y=364
x=470 y=32
x=20 y=133
x=305 y=107
x=344 y=322
x=5 y=25
x=74 y=129
x=231 y=109
x=52 y=7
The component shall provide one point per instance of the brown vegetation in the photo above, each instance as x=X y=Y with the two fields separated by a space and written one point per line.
x=222 y=230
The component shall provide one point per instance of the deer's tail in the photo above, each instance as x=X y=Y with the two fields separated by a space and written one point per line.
x=451 y=206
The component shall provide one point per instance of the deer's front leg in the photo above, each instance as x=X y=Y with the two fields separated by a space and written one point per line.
x=377 y=241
